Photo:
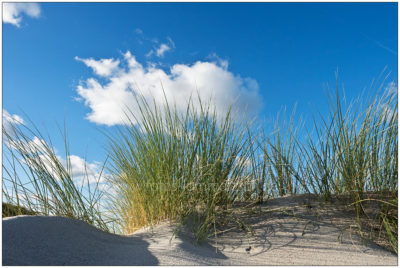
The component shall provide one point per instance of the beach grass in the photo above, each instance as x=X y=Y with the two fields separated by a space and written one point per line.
x=169 y=165
x=195 y=166
x=352 y=151
x=9 y=210
x=36 y=179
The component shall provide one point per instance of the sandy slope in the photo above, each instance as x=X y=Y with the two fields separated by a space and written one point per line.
x=293 y=237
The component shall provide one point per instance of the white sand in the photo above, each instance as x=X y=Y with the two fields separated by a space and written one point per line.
x=278 y=240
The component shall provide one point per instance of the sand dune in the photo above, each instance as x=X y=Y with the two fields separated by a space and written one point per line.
x=279 y=239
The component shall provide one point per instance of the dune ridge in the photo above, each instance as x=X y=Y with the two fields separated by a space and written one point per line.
x=301 y=237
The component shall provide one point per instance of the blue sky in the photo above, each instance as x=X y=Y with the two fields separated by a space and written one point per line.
x=78 y=59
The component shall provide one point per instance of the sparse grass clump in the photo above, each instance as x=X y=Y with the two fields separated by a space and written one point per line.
x=351 y=152
x=37 y=180
x=361 y=156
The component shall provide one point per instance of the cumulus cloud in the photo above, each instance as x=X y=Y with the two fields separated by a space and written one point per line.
x=108 y=99
x=103 y=67
x=12 y=12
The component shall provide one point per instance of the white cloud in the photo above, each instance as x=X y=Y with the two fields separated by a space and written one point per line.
x=80 y=170
x=108 y=100
x=150 y=53
x=38 y=145
x=103 y=67
x=10 y=120
x=138 y=31
x=12 y=12
x=221 y=62
x=79 y=167
x=162 y=49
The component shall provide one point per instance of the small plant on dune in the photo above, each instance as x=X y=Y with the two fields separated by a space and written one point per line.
x=280 y=153
x=36 y=180
x=169 y=165
x=258 y=165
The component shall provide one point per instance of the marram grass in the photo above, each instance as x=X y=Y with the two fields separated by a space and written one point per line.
x=35 y=179
x=169 y=165
x=194 y=166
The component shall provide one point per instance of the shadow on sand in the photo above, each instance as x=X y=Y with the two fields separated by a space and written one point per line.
x=40 y=240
